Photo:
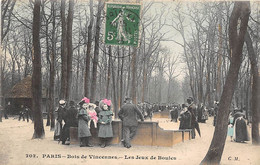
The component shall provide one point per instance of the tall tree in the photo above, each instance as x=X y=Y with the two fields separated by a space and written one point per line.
x=237 y=29
x=96 y=52
x=88 y=55
x=37 y=75
x=70 y=47
x=64 y=56
x=52 y=66
x=108 y=70
x=255 y=90
x=134 y=68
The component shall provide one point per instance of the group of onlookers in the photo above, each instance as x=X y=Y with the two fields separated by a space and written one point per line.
x=100 y=113
x=80 y=116
x=237 y=128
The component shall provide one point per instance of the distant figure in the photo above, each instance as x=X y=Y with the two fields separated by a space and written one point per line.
x=174 y=114
x=202 y=114
x=185 y=118
x=230 y=126
x=58 y=124
x=128 y=115
x=27 y=113
x=215 y=113
x=7 y=110
x=70 y=119
x=21 y=113
x=149 y=110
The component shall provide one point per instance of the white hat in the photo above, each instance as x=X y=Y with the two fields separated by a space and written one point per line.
x=62 y=102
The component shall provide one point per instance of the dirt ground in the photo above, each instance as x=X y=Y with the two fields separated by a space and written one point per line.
x=18 y=148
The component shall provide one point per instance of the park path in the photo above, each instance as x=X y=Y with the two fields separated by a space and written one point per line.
x=17 y=148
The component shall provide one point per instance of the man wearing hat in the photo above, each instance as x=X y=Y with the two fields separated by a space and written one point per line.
x=192 y=109
x=70 y=119
x=128 y=115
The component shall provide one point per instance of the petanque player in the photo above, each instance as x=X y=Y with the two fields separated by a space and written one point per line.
x=128 y=115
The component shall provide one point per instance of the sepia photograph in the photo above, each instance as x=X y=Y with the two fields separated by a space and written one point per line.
x=89 y=82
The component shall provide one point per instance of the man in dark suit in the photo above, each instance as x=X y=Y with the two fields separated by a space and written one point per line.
x=70 y=118
x=128 y=115
x=192 y=109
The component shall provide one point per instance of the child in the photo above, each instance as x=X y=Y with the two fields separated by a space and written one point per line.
x=93 y=114
x=230 y=126
x=105 y=128
x=83 y=130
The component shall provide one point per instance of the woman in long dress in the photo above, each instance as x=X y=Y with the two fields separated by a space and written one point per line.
x=240 y=130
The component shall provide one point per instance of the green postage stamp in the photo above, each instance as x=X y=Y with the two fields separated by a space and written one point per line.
x=122 y=24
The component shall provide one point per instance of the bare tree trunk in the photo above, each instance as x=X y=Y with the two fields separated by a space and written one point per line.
x=96 y=52
x=87 y=71
x=133 y=88
x=49 y=61
x=52 y=68
x=240 y=12
x=118 y=78
x=128 y=74
x=219 y=78
x=37 y=75
x=144 y=79
x=109 y=70
x=114 y=90
x=255 y=90
x=70 y=48
x=121 y=81
x=64 y=56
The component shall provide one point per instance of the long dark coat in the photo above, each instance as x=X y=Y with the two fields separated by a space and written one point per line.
x=83 y=130
x=128 y=114
x=240 y=130
x=174 y=114
x=105 y=126
x=185 y=120
x=58 y=125
x=70 y=119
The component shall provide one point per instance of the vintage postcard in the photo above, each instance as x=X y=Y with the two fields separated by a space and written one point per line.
x=129 y=82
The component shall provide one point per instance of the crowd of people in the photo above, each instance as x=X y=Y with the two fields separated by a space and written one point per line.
x=191 y=115
x=100 y=113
